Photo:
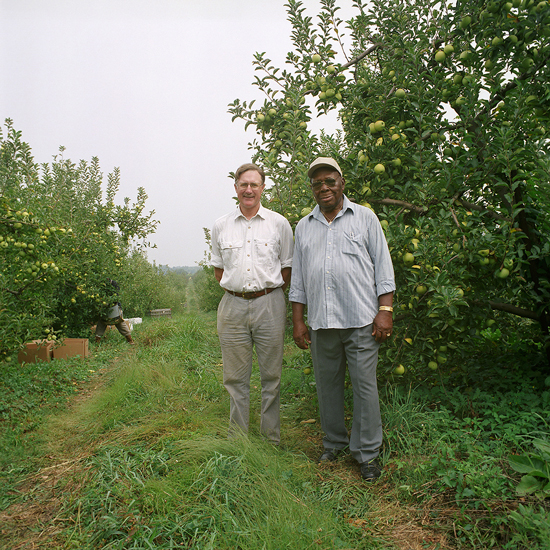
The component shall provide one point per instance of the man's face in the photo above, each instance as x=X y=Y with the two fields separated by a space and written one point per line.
x=328 y=188
x=249 y=190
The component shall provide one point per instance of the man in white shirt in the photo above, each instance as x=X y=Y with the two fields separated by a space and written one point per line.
x=252 y=257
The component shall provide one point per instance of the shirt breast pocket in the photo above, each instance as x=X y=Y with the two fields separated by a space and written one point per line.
x=352 y=244
x=266 y=252
x=231 y=252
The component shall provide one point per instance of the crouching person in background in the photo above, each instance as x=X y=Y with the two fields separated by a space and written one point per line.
x=115 y=318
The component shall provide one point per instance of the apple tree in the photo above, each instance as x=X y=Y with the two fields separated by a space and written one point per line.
x=444 y=114
x=61 y=242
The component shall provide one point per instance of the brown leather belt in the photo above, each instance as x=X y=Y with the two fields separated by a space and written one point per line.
x=251 y=295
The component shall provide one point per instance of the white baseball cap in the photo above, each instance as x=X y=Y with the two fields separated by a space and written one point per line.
x=320 y=162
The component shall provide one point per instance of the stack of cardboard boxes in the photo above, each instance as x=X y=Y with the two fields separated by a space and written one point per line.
x=44 y=350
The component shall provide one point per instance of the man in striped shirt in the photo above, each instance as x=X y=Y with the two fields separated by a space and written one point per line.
x=342 y=271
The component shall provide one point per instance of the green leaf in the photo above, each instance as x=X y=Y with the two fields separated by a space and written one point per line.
x=528 y=485
x=543 y=446
x=521 y=464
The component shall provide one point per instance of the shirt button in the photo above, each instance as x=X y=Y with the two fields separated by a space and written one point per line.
x=248 y=269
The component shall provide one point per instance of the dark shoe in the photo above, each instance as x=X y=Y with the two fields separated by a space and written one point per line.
x=130 y=341
x=330 y=455
x=371 y=470
x=97 y=339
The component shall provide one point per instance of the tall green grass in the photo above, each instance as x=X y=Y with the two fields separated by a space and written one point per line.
x=141 y=459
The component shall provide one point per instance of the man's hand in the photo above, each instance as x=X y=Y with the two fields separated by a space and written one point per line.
x=382 y=326
x=300 y=334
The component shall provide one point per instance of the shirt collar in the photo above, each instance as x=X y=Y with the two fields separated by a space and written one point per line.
x=260 y=213
x=346 y=205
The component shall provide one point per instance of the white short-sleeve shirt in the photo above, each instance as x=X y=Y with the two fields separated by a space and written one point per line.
x=252 y=252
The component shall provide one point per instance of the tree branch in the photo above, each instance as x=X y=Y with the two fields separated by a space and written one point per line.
x=509 y=308
x=478 y=208
x=361 y=56
x=408 y=206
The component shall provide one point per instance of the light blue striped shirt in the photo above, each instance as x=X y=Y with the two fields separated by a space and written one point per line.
x=340 y=269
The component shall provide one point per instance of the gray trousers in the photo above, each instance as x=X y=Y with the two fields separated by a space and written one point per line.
x=242 y=325
x=331 y=349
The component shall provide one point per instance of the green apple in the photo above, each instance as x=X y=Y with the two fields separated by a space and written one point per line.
x=421 y=290
x=465 y=22
x=316 y=58
x=440 y=56
x=503 y=273
x=408 y=258
x=307 y=370
x=400 y=93
x=379 y=125
x=432 y=365
x=379 y=169
x=448 y=49
x=399 y=370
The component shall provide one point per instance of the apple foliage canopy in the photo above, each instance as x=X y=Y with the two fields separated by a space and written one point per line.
x=445 y=125
x=61 y=241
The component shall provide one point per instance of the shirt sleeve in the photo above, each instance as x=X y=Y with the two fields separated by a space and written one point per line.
x=297 y=292
x=287 y=244
x=215 y=255
x=377 y=247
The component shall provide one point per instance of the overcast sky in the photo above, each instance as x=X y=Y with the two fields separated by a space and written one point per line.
x=144 y=85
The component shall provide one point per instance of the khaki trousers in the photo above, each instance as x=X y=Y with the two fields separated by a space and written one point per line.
x=242 y=325
x=121 y=326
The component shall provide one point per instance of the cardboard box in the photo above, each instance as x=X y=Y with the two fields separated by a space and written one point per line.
x=37 y=350
x=72 y=347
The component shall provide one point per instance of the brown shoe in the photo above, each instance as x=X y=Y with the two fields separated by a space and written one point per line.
x=97 y=339
x=130 y=341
